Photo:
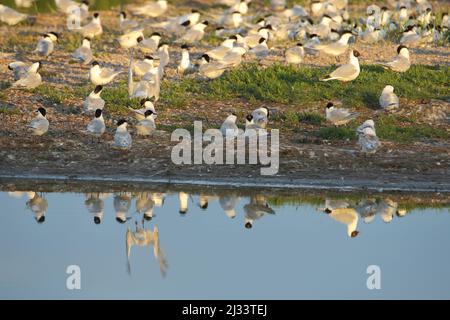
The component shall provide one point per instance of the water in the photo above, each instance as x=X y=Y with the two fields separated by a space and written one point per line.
x=293 y=251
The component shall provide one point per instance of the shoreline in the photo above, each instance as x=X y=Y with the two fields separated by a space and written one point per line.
x=273 y=184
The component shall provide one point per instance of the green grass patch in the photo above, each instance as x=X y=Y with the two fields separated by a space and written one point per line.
x=116 y=98
x=311 y=118
x=291 y=85
x=388 y=127
x=70 y=41
x=337 y=133
x=5 y=109
x=177 y=94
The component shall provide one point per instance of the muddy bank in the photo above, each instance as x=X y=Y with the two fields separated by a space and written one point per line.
x=304 y=168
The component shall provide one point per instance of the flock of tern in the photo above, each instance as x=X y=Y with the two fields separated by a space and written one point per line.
x=324 y=28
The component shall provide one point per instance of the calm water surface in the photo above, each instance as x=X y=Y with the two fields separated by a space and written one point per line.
x=183 y=245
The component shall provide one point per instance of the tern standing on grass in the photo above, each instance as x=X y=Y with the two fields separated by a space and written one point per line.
x=346 y=72
x=101 y=76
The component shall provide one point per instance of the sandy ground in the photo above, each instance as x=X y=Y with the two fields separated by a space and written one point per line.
x=68 y=153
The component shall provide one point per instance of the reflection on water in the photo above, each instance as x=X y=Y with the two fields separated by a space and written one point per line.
x=206 y=238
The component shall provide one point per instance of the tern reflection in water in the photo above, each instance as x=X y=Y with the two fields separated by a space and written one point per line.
x=256 y=209
x=95 y=205
x=38 y=205
x=342 y=211
x=122 y=204
x=145 y=238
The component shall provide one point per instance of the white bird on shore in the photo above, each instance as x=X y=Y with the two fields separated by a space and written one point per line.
x=39 y=125
x=335 y=48
x=125 y=23
x=149 y=45
x=252 y=40
x=93 y=101
x=146 y=126
x=97 y=125
x=93 y=28
x=388 y=99
x=150 y=9
x=261 y=50
x=278 y=5
x=346 y=72
x=65 y=6
x=231 y=19
x=295 y=54
x=77 y=12
x=147 y=105
x=11 y=16
x=19 y=69
x=84 y=52
x=367 y=137
x=260 y=117
x=101 y=76
x=46 y=44
x=233 y=58
x=176 y=25
x=122 y=138
x=130 y=39
x=229 y=128
x=347 y=216
x=29 y=79
x=141 y=67
x=185 y=62
x=148 y=87
x=164 y=57
x=401 y=62
x=195 y=33
x=323 y=28
x=372 y=35
x=251 y=128
x=24 y=3
x=410 y=37
x=211 y=69
x=220 y=51
x=339 y=116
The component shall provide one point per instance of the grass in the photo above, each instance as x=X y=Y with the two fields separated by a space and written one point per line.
x=116 y=98
x=310 y=118
x=8 y=110
x=388 y=127
x=70 y=41
x=336 y=133
x=409 y=203
x=291 y=85
x=295 y=88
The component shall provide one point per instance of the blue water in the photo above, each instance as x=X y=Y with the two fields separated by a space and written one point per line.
x=296 y=253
